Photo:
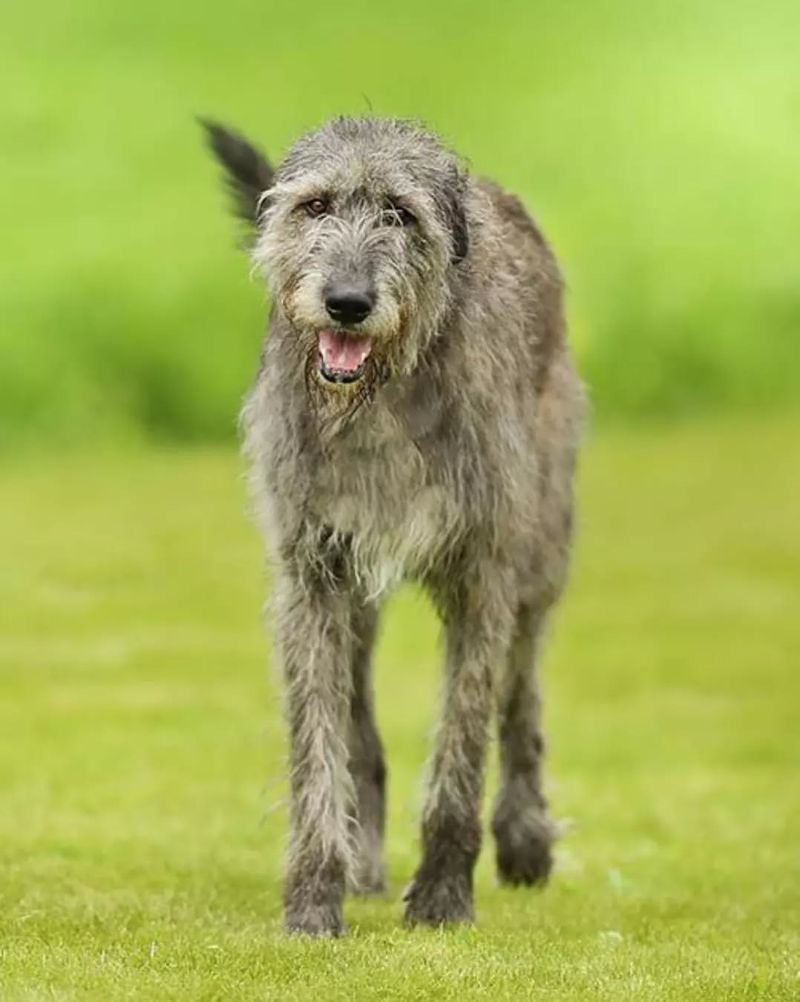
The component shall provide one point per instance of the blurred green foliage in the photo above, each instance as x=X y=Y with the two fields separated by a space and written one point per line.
x=657 y=143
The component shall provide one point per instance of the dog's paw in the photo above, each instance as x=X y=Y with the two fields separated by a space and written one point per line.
x=524 y=847
x=313 y=902
x=436 y=902
x=314 y=920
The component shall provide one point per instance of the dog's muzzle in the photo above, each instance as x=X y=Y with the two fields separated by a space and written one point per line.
x=342 y=355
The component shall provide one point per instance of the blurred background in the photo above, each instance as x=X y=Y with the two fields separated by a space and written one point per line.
x=142 y=806
x=657 y=144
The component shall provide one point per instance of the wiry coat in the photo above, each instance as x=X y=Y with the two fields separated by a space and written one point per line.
x=450 y=462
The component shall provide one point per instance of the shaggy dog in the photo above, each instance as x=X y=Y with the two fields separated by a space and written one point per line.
x=415 y=416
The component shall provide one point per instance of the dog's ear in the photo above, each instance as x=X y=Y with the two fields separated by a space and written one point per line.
x=456 y=213
x=248 y=173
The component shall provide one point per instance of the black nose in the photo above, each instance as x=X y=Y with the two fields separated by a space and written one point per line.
x=348 y=306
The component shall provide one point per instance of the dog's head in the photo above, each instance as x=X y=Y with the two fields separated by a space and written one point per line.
x=358 y=233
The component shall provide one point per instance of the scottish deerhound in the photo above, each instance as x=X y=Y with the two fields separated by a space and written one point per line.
x=415 y=416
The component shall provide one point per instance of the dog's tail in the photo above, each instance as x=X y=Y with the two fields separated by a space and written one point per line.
x=248 y=173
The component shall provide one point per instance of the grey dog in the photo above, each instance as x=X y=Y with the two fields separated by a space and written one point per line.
x=415 y=416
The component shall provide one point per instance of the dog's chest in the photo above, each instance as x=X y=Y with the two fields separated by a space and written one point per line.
x=382 y=491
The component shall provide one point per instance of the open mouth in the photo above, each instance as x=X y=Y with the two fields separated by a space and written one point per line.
x=343 y=355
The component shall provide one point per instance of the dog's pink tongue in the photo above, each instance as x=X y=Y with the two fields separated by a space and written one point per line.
x=343 y=352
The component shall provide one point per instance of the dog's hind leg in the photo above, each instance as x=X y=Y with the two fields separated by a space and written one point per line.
x=522 y=830
x=367 y=765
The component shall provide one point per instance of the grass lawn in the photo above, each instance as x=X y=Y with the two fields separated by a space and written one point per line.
x=141 y=774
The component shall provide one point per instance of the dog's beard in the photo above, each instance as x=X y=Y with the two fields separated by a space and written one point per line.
x=395 y=341
x=337 y=404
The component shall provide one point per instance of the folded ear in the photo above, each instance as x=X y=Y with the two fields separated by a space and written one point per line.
x=248 y=173
x=455 y=211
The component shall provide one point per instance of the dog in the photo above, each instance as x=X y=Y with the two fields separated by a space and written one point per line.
x=416 y=416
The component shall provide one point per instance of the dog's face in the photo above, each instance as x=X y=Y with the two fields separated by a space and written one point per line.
x=357 y=235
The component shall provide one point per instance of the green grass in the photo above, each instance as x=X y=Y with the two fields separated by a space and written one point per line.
x=141 y=775
x=658 y=144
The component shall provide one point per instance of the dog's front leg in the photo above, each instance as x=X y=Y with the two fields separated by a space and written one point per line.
x=478 y=621
x=313 y=623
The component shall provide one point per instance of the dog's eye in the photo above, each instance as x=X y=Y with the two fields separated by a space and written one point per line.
x=396 y=215
x=316 y=207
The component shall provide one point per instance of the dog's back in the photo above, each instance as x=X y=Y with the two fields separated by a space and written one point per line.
x=547 y=385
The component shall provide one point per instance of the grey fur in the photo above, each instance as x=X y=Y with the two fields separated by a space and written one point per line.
x=449 y=462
